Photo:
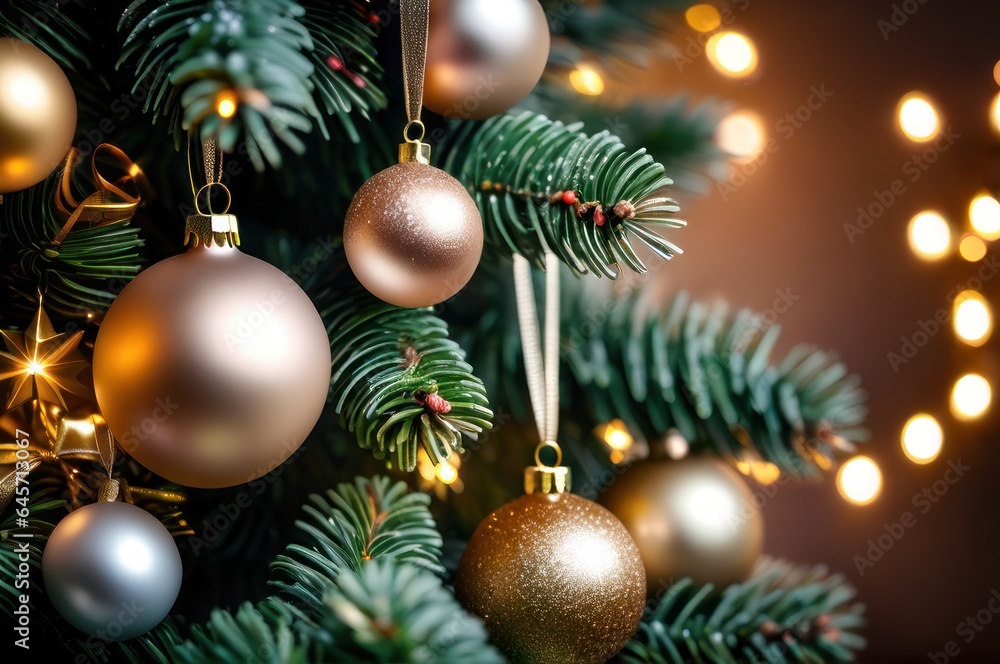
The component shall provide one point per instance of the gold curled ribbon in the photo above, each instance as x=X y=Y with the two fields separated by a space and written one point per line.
x=109 y=204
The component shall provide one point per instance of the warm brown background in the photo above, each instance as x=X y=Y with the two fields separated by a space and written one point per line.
x=784 y=229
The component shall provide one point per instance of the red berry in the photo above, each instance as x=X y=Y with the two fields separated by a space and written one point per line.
x=373 y=18
x=437 y=404
x=599 y=217
x=569 y=197
x=357 y=80
x=335 y=63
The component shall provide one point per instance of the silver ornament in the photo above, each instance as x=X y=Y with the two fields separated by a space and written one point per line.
x=112 y=570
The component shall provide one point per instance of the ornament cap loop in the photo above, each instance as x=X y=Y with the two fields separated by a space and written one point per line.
x=215 y=229
x=546 y=479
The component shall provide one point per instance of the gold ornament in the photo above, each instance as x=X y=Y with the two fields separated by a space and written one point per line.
x=413 y=235
x=212 y=367
x=555 y=577
x=691 y=518
x=483 y=56
x=37 y=115
x=38 y=362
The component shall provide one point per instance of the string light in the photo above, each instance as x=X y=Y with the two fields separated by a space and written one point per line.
x=970 y=397
x=764 y=472
x=226 y=105
x=984 y=215
x=616 y=435
x=922 y=438
x=732 y=54
x=446 y=473
x=859 y=480
x=972 y=320
x=586 y=81
x=918 y=118
x=929 y=235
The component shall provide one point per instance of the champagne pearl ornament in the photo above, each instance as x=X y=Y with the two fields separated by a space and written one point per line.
x=483 y=56
x=111 y=570
x=212 y=367
x=412 y=234
x=37 y=115
x=690 y=518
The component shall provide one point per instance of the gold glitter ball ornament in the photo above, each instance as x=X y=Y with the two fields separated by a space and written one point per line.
x=413 y=235
x=690 y=518
x=212 y=367
x=555 y=577
x=37 y=115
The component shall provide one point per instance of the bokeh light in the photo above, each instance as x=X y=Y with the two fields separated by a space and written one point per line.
x=929 y=235
x=859 y=480
x=741 y=134
x=446 y=473
x=917 y=117
x=226 y=105
x=703 y=18
x=732 y=54
x=970 y=397
x=984 y=215
x=972 y=248
x=995 y=113
x=615 y=433
x=586 y=81
x=922 y=438
x=972 y=319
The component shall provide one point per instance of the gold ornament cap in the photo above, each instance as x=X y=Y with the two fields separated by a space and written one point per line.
x=414 y=149
x=542 y=478
x=208 y=229
x=212 y=229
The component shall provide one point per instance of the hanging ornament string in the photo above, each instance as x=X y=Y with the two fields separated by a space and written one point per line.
x=212 y=166
x=541 y=365
x=414 y=16
x=106 y=446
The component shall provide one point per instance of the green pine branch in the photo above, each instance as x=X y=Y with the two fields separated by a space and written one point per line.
x=782 y=614
x=48 y=27
x=270 y=52
x=703 y=370
x=350 y=526
x=394 y=369
x=518 y=167
x=82 y=277
x=360 y=587
x=706 y=371
x=42 y=509
x=678 y=131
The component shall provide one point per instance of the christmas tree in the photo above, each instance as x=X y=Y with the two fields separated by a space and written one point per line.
x=322 y=402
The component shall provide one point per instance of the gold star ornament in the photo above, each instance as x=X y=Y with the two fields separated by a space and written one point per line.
x=40 y=363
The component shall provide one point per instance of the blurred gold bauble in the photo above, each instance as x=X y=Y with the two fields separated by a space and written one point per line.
x=556 y=578
x=691 y=518
x=37 y=115
x=413 y=235
x=483 y=56
x=211 y=367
